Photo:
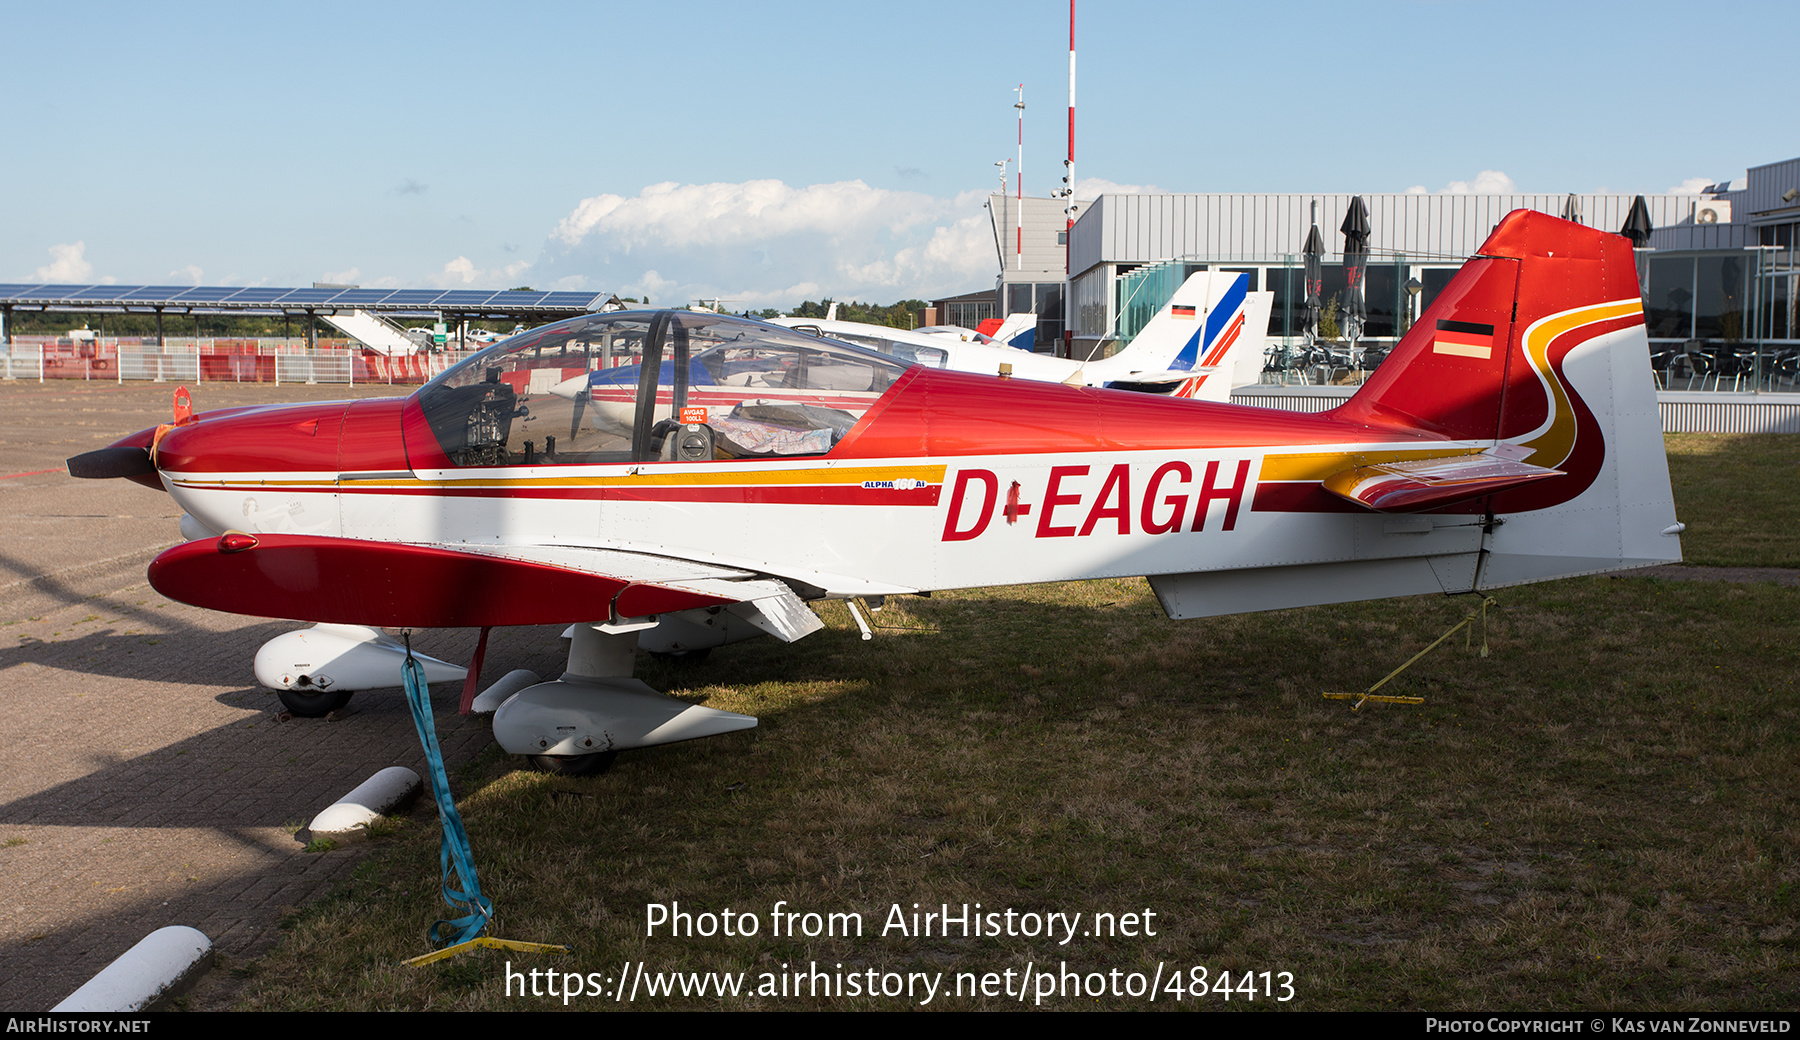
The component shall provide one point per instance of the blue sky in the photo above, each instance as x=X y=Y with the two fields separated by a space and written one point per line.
x=771 y=152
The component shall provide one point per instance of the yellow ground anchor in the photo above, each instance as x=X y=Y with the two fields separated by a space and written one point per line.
x=1387 y=698
x=484 y=942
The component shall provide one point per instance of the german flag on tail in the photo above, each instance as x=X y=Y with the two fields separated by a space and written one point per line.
x=1464 y=339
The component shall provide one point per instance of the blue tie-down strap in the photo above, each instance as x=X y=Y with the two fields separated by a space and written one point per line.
x=462 y=889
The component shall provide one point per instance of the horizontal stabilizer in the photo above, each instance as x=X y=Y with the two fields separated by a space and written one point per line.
x=1416 y=484
x=1166 y=376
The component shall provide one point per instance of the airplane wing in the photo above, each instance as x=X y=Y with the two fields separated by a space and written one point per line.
x=399 y=585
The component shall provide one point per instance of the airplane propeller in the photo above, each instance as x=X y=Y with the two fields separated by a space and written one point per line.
x=106 y=463
x=132 y=461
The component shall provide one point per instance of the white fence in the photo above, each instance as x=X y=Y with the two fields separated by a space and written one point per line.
x=239 y=362
x=22 y=361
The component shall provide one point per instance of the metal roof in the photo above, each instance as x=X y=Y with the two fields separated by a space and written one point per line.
x=181 y=299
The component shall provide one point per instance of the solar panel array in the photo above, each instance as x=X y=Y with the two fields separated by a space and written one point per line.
x=181 y=298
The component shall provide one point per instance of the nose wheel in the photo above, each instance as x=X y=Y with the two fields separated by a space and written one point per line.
x=316 y=670
x=575 y=765
x=312 y=703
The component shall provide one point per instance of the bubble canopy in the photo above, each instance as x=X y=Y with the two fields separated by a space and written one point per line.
x=647 y=386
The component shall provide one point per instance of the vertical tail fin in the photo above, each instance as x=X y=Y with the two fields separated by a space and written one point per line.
x=1538 y=345
x=1018 y=330
x=1212 y=327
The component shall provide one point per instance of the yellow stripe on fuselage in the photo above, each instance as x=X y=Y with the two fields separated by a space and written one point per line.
x=1316 y=466
x=677 y=478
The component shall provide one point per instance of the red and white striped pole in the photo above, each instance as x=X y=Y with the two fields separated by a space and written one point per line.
x=1068 y=342
x=1019 y=246
x=1069 y=163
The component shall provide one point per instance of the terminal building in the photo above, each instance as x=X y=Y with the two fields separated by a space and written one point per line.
x=1719 y=273
x=1720 y=287
x=1127 y=253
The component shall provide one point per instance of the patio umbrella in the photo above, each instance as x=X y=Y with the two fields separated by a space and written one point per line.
x=1356 y=262
x=1637 y=223
x=1314 y=254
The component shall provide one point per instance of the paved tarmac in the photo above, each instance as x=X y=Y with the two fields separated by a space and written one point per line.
x=145 y=780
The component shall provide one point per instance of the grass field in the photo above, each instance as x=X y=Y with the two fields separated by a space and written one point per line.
x=1597 y=815
x=1739 y=494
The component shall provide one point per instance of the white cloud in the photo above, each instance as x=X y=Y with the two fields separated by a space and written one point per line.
x=462 y=272
x=653 y=286
x=713 y=214
x=1487 y=182
x=189 y=275
x=66 y=264
x=1087 y=189
x=1691 y=186
x=455 y=274
x=461 y=268
x=765 y=243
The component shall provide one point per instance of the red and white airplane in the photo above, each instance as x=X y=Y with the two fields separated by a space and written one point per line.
x=1512 y=436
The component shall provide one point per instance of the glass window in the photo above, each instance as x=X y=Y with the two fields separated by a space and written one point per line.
x=1780 y=319
x=1434 y=279
x=578 y=392
x=1669 y=305
x=1719 y=298
x=910 y=353
x=1381 y=298
x=968 y=315
x=1090 y=304
x=1286 y=311
x=1050 y=317
x=1251 y=271
x=523 y=402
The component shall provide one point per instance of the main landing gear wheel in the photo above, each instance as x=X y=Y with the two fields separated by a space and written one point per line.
x=310 y=704
x=575 y=765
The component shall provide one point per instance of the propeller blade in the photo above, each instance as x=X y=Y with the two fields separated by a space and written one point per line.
x=107 y=463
